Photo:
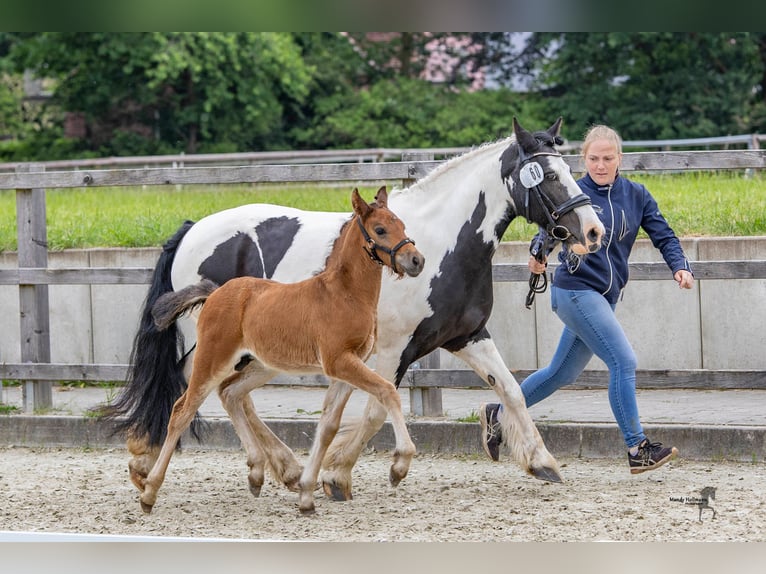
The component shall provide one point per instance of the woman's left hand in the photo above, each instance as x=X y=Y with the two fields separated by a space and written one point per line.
x=684 y=279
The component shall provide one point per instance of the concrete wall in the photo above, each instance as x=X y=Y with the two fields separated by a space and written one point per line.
x=718 y=325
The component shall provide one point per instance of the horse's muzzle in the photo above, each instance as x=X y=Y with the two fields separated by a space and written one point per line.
x=410 y=261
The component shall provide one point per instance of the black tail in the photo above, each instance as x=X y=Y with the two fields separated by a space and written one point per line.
x=155 y=379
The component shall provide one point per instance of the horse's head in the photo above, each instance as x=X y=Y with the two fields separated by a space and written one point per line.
x=384 y=232
x=544 y=191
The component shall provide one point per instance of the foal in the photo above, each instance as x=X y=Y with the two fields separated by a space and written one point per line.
x=326 y=323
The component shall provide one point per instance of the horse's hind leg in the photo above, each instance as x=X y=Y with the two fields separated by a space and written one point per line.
x=335 y=401
x=519 y=430
x=259 y=442
x=280 y=457
x=144 y=456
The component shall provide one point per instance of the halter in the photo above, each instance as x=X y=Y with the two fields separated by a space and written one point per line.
x=531 y=176
x=372 y=249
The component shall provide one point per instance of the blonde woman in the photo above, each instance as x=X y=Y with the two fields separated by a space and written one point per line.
x=585 y=292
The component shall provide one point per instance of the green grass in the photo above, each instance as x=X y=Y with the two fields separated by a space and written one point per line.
x=695 y=204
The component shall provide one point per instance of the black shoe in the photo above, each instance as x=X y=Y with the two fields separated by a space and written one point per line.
x=491 y=433
x=650 y=455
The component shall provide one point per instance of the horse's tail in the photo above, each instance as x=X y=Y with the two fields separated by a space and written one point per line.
x=169 y=308
x=155 y=377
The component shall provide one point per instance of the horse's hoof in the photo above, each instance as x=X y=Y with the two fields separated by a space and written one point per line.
x=335 y=492
x=546 y=473
x=255 y=490
x=147 y=508
x=309 y=511
x=394 y=477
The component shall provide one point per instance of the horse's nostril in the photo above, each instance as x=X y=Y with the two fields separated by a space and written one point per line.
x=594 y=235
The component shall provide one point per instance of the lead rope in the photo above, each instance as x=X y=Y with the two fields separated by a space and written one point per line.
x=538 y=282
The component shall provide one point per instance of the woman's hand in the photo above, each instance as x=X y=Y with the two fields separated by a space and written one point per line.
x=684 y=279
x=535 y=266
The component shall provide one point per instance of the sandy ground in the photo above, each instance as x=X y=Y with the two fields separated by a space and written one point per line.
x=444 y=498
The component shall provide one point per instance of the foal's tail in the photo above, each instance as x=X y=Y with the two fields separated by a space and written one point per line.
x=155 y=379
x=169 y=308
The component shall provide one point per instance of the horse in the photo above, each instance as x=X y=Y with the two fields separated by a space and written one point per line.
x=457 y=214
x=249 y=329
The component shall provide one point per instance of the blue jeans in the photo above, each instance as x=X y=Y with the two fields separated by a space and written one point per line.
x=590 y=327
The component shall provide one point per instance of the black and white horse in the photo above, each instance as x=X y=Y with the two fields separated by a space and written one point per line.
x=457 y=215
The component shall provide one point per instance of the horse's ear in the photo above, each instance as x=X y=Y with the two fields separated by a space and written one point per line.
x=381 y=198
x=361 y=208
x=524 y=138
x=556 y=128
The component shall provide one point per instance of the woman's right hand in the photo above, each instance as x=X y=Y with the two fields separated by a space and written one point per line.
x=536 y=266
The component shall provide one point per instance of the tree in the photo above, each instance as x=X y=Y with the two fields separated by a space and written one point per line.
x=649 y=85
x=170 y=92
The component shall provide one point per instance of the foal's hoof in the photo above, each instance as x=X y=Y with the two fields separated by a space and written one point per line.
x=309 y=511
x=255 y=489
x=337 y=493
x=394 y=477
x=546 y=473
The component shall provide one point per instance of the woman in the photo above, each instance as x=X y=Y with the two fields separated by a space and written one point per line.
x=584 y=295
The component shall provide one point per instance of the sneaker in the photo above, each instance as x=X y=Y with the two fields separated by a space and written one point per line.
x=491 y=433
x=650 y=455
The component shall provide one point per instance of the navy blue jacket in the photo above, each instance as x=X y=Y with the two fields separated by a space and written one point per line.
x=623 y=207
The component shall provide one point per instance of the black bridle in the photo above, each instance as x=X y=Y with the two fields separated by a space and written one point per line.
x=531 y=179
x=552 y=211
x=372 y=247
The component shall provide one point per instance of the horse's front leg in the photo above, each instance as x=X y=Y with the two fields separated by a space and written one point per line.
x=519 y=431
x=335 y=401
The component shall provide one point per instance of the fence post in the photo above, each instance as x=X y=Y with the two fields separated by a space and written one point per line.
x=424 y=401
x=33 y=299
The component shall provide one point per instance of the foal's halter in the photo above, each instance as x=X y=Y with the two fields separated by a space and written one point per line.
x=372 y=249
x=531 y=176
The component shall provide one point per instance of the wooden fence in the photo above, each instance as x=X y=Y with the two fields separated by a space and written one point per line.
x=33 y=275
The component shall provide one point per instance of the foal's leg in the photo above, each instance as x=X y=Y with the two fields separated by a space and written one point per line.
x=259 y=442
x=335 y=400
x=355 y=372
x=183 y=413
x=144 y=454
x=519 y=431
x=351 y=441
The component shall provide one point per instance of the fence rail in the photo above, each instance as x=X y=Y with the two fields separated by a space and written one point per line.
x=752 y=141
x=33 y=275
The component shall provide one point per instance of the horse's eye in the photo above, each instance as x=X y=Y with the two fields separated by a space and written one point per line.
x=550 y=176
x=380 y=230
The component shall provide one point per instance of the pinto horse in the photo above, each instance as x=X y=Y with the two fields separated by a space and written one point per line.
x=250 y=329
x=457 y=214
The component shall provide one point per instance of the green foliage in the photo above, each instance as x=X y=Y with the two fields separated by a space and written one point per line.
x=195 y=92
x=171 y=92
x=652 y=85
x=415 y=113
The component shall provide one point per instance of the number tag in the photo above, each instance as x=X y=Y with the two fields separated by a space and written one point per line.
x=531 y=174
